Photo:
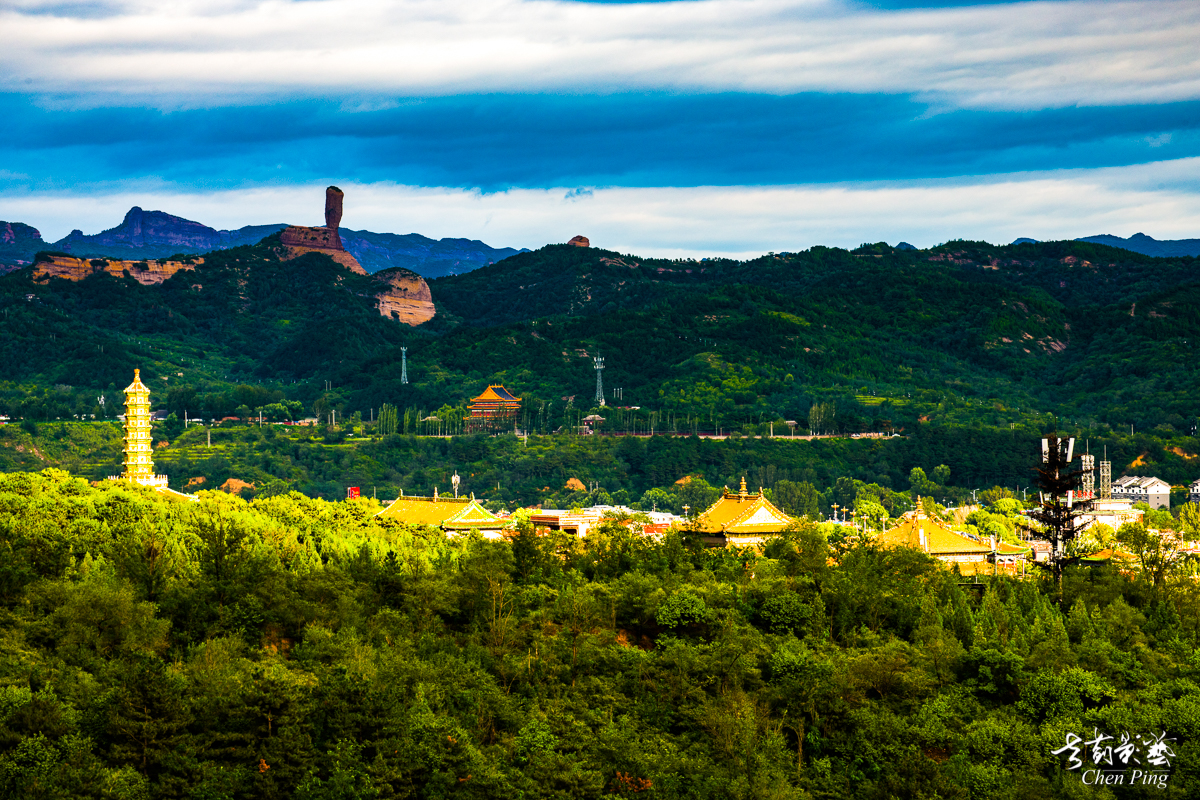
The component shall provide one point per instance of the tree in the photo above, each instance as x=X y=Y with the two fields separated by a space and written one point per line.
x=1157 y=550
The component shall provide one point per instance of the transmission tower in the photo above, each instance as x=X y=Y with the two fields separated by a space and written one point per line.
x=1087 y=486
x=599 y=380
x=1106 y=478
x=404 y=365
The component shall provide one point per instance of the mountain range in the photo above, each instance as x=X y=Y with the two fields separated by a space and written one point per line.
x=1148 y=245
x=155 y=234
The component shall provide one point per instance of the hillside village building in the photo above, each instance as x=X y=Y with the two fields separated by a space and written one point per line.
x=451 y=514
x=1111 y=512
x=1194 y=491
x=741 y=519
x=494 y=406
x=1154 y=492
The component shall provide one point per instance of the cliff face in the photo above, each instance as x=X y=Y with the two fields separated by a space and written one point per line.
x=406 y=297
x=298 y=240
x=147 y=273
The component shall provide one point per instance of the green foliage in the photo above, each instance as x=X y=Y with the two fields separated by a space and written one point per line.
x=287 y=646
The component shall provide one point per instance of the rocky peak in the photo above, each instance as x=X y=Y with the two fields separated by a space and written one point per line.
x=580 y=241
x=298 y=240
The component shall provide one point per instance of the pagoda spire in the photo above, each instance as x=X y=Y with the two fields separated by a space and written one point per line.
x=139 y=461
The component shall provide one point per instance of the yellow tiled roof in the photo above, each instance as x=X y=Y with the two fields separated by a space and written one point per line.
x=742 y=512
x=443 y=512
x=496 y=394
x=939 y=540
x=1109 y=554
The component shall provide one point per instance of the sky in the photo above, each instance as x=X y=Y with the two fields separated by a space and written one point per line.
x=688 y=128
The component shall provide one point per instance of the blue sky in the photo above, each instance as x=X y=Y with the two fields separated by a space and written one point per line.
x=667 y=128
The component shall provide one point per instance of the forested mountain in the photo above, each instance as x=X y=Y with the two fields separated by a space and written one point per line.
x=156 y=234
x=878 y=337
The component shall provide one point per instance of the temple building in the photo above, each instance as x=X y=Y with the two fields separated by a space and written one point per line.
x=451 y=514
x=741 y=519
x=139 y=461
x=494 y=407
x=929 y=536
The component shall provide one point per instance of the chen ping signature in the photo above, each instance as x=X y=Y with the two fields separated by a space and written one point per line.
x=1127 y=760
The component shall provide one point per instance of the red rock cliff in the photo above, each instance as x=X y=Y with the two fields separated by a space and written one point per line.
x=405 y=296
x=298 y=240
x=76 y=269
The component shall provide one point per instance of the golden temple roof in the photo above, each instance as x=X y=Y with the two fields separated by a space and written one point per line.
x=497 y=394
x=452 y=513
x=742 y=513
x=939 y=540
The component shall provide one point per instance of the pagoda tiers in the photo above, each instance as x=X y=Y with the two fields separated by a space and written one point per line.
x=495 y=405
x=741 y=519
x=451 y=514
x=918 y=531
x=139 y=463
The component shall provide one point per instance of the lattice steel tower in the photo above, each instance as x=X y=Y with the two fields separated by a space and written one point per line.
x=1087 y=486
x=1106 y=478
x=599 y=380
x=404 y=365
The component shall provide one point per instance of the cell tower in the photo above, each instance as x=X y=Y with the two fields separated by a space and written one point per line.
x=1106 y=478
x=404 y=365
x=599 y=380
x=1087 y=485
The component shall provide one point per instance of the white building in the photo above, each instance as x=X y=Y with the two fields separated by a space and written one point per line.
x=1194 y=491
x=1154 y=492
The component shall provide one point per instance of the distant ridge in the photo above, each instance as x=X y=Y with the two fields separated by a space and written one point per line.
x=1148 y=245
x=146 y=235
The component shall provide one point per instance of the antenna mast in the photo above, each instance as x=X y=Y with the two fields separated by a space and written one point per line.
x=404 y=365
x=599 y=381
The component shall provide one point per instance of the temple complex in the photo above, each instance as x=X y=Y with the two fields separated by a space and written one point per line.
x=139 y=461
x=495 y=406
x=451 y=514
x=741 y=519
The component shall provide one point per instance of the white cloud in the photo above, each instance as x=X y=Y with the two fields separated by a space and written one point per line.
x=1159 y=199
x=1027 y=55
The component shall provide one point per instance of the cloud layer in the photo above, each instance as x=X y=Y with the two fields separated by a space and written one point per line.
x=1014 y=56
x=692 y=222
x=501 y=141
x=682 y=128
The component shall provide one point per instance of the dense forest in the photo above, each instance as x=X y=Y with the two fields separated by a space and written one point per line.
x=291 y=647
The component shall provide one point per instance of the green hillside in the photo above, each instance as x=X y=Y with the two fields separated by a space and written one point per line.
x=876 y=339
